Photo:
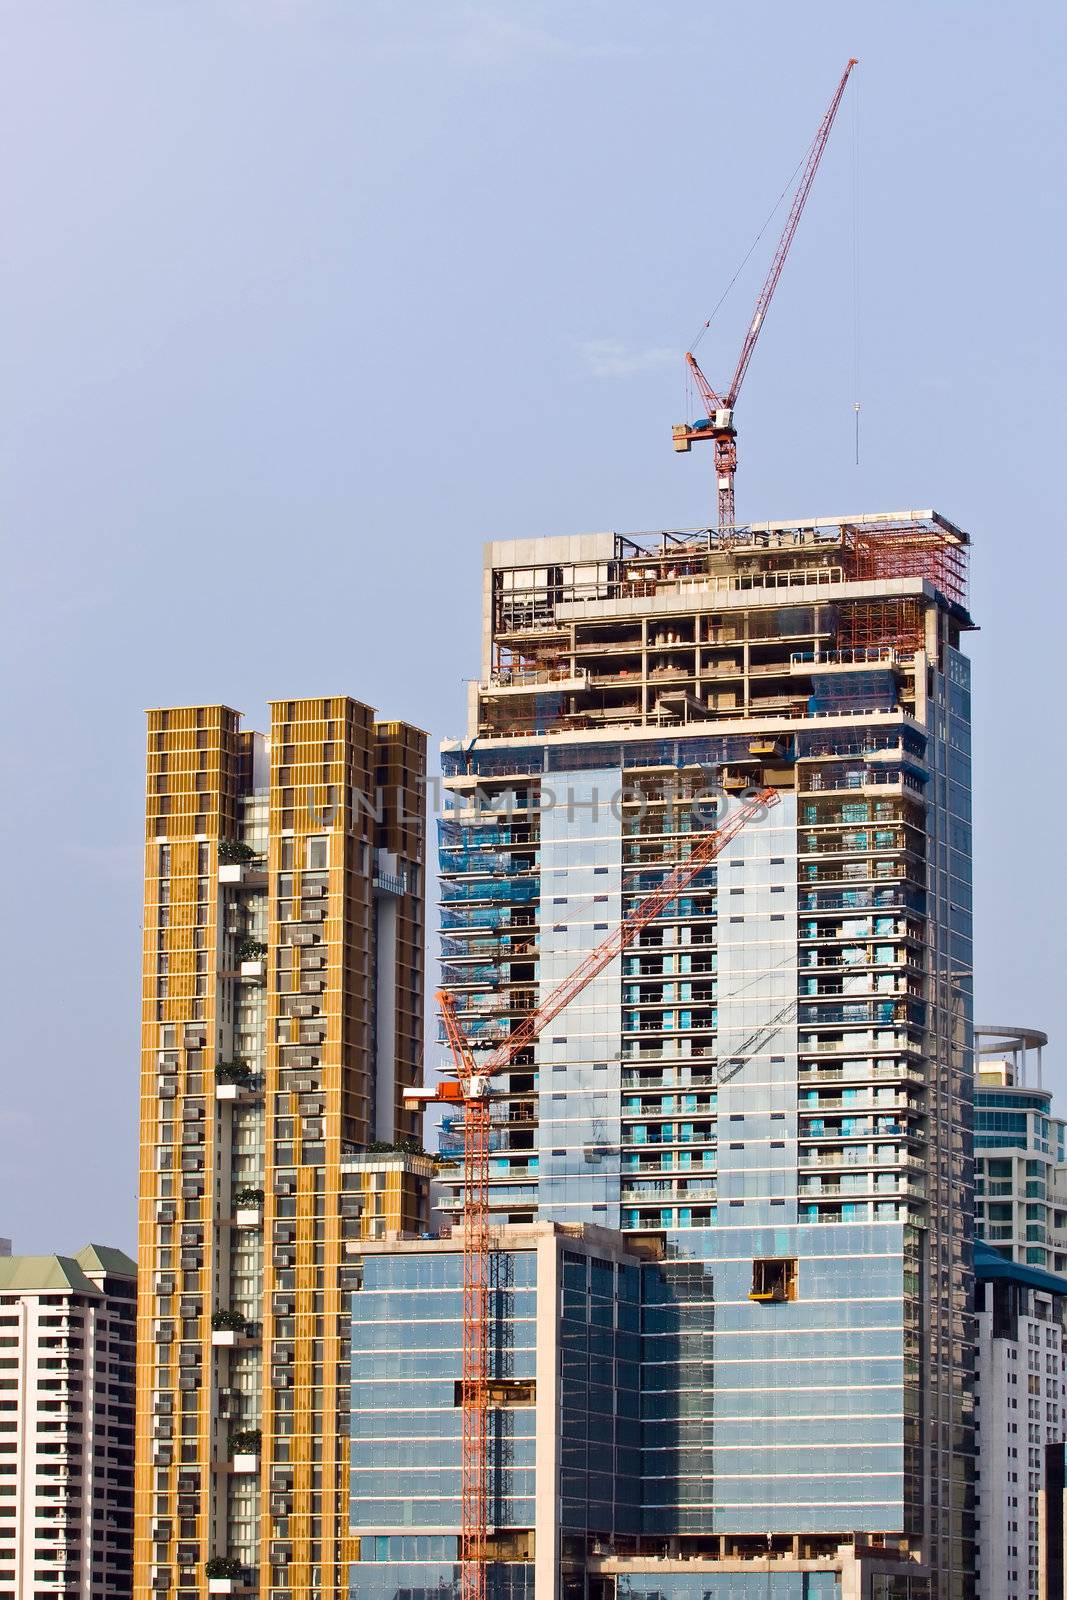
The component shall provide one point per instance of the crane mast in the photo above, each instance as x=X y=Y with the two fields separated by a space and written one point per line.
x=472 y=1089
x=718 y=424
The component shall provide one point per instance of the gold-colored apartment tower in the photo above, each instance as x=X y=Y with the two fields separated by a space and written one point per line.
x=282 y=1020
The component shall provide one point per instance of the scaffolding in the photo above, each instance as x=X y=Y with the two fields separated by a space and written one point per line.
x=894 y=624
x=925 y=547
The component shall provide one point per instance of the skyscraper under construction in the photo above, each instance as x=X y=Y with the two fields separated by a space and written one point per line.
x=753 y=1127
x=282 y=1020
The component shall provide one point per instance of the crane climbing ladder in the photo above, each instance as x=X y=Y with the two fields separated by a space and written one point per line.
x=471 y=1088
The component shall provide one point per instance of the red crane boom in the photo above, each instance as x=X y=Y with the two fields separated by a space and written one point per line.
x=719 y=422
x=472 y=1088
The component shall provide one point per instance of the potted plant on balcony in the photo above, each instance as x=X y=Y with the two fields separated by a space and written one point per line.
x=224 y=1574
x=245 y=1445
x=227 y=1326
x=231 y=1077
x=248 y=1207
x=234 y=852
x=235 y=1071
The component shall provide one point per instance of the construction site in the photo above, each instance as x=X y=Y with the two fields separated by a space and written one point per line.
x=691 y=1319
x=700 y=1327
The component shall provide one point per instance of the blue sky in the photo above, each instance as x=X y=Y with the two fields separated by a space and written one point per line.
x=303 y=299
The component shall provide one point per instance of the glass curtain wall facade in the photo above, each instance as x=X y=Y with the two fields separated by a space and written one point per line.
x=1020 y=1150
x=774 y=1084
x=564 y=1410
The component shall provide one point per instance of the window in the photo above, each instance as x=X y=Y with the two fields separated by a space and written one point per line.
x=316 y=858
x=774 y=1278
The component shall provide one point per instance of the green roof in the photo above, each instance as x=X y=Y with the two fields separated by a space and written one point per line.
x=41 y=1274
x=102 y=1258
x=45 y=1274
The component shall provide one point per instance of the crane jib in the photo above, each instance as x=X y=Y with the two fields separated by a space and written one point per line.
x=685 y=434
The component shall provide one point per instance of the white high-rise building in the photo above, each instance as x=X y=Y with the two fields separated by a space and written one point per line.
x=1019 y=1410
x=67 y=1364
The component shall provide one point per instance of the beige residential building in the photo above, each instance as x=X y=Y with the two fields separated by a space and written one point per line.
x=282 y=1020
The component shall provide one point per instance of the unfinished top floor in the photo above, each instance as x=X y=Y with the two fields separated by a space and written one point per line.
x=776 y=619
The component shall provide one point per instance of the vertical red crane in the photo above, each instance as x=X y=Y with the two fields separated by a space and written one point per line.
x=719 y=422
x=472 y=1089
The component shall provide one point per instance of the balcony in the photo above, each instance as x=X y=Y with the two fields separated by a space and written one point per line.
x=230 y=1330
x=244 y=1450
x=233 y=1080
x=393 y=883
x=548 y=680
x=249 y=874
x=302 y=1008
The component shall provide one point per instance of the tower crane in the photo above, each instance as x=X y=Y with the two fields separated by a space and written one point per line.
x=471 y=1088
x=718 y=425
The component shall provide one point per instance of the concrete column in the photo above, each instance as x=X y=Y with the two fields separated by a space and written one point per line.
x=851 y=1574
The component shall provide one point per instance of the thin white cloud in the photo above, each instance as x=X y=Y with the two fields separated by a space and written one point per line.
x=468 y=33
x=610 y=358
x=489 y=39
